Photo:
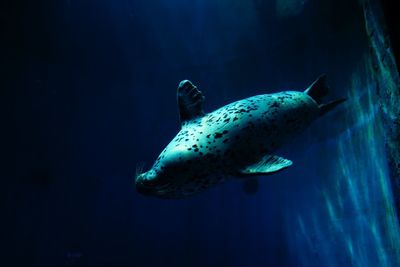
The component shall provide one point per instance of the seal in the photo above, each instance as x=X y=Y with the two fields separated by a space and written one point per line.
x=236 y=140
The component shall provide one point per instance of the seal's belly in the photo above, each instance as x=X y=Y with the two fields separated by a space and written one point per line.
x=193 y=185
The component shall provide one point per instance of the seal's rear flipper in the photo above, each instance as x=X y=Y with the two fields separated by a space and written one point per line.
x=318 y=89
x=190 y=101
x=267 y=165
x=324 y=108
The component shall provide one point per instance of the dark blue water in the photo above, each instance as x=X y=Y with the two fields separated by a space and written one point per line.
x=97 y=95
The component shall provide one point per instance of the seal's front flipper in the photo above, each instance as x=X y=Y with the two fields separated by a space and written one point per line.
x=190 y=101
x=267 y=165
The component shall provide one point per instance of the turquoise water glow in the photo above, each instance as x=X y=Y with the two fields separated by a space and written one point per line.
x=353 y=221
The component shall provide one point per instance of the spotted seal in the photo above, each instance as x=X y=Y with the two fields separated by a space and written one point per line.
x=236 y=140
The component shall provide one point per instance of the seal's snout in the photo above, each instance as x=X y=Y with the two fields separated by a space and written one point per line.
x=143 y=186
x=147 y=183
x=142 y=189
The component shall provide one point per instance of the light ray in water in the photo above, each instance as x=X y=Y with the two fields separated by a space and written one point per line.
x=358 y=224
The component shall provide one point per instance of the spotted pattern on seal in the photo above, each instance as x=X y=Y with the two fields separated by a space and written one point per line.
x=209 y=149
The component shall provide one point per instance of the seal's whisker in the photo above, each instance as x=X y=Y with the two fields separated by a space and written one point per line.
x=139 y=169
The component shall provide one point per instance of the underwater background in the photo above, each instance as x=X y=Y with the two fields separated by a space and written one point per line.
x=96 y=96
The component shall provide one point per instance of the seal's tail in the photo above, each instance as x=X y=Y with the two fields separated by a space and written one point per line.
x=324 y=108
x=318 y=90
